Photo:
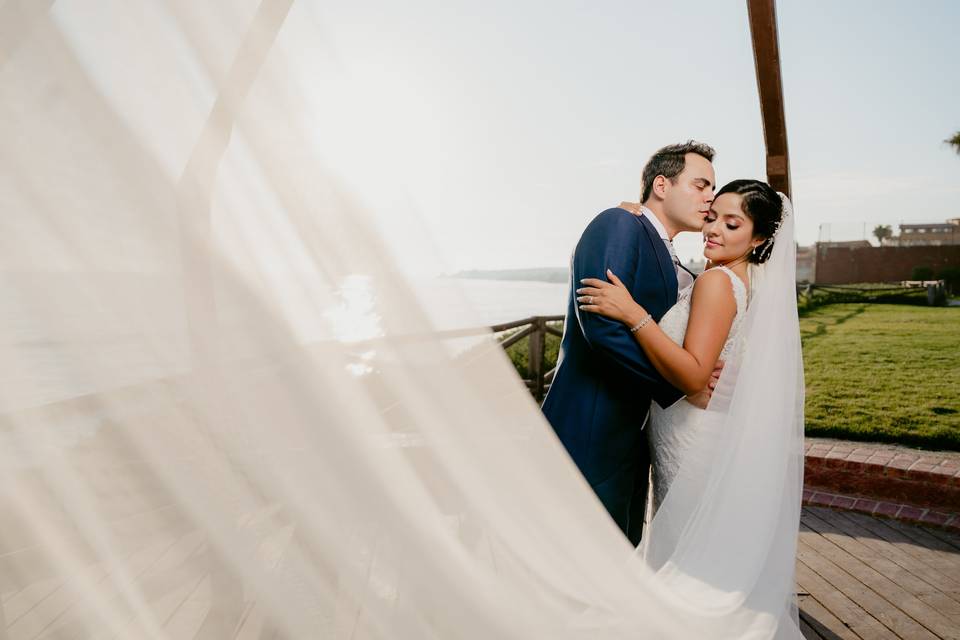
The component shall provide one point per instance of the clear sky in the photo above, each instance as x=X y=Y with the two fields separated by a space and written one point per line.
x=507 y=125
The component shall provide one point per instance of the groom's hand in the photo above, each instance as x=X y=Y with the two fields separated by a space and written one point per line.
x=632 y=207
x=715 y=376
x=702 y=398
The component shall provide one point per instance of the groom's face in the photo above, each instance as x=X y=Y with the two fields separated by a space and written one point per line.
x=687 y=198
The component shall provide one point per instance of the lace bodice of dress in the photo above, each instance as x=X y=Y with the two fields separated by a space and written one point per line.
x=672 y=429
x=674 y=321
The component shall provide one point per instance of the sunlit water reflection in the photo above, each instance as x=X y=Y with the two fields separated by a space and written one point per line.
x=72 y=345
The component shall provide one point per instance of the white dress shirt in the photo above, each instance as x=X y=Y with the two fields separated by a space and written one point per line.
x=684 y=279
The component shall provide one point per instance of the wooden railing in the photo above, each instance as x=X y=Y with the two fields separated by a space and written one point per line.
x=536 y=329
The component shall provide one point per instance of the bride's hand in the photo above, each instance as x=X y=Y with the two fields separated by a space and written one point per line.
x=610 y=299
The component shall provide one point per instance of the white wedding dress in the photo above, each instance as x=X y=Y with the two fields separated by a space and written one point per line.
x=672 y=430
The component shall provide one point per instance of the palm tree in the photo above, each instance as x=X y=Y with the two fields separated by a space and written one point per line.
x=954 y=142
x=882 y=232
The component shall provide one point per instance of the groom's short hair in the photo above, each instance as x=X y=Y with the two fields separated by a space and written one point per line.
x=670 y=161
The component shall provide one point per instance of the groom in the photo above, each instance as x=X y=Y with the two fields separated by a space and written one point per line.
x=604 y=383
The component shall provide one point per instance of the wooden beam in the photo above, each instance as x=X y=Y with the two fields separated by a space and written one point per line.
x=766 y=56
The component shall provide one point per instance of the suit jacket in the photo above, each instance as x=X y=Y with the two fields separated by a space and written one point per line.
x=604 y=382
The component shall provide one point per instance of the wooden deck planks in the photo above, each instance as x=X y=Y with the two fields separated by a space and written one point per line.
x=816 y=620
x=943 y=583
x=862 y=577
x=859 y=578
x=842 y=599
x=943 y=555
x=889 y=531
x=947 y=536
x=915 y=597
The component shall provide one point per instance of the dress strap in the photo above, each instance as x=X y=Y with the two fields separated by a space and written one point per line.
x=739 y=288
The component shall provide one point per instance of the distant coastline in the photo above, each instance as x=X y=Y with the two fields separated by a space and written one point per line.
x=557 y=275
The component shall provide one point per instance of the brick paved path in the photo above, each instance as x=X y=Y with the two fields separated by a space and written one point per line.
x=897 y=482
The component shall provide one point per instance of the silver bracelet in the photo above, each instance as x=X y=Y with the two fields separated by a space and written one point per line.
x=641 y=324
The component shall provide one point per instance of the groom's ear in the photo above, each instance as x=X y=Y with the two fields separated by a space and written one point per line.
x=659 y=186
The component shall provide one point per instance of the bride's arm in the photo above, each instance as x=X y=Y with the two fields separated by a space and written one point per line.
x=711 y=315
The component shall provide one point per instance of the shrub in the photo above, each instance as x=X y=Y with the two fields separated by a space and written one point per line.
x=922 y=273
x=951 y=277
x=813 y=296
x=519 y=353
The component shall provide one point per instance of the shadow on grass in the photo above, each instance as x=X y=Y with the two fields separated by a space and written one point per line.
x=822 y=323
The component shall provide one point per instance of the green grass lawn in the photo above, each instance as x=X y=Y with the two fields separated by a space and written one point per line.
x=885 y=373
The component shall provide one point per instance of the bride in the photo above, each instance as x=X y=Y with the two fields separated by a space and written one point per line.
x=706 y=324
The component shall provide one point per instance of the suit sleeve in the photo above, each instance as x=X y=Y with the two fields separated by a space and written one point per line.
x=611 y=242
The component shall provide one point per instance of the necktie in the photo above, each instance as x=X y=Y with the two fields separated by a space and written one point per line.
x=684 y=279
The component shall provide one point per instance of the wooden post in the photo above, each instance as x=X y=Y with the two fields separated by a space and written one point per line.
x=535 y=356
x=766 y=56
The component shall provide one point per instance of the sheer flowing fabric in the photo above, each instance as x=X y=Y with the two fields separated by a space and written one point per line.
x=224 y=413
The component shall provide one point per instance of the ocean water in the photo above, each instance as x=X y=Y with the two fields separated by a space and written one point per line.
x=77 y=336
x=476 y=303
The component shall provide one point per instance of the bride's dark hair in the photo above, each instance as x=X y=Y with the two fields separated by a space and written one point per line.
x=763 y=206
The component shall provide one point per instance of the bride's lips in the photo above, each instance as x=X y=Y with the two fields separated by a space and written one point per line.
x=711 y=244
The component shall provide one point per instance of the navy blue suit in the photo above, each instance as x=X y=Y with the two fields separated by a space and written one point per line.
x=604 y=382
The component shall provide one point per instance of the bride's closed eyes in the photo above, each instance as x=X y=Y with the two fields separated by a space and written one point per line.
x=711 y=216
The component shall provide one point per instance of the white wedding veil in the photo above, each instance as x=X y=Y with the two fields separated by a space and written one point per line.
x=225 y=413
x=728 y=525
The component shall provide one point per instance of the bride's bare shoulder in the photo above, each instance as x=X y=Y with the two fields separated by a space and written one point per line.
x=713 y=290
